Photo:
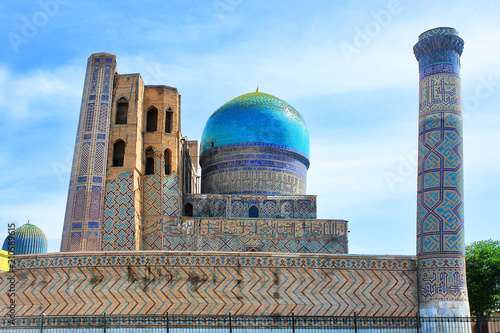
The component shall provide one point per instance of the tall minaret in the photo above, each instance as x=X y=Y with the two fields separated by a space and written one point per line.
x=83 y=219
x=440 y=222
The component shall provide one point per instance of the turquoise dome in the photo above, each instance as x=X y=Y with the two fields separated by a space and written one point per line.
x=256 y=118
x=29 y=239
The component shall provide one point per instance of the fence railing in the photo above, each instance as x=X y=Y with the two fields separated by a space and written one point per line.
x=248 y=324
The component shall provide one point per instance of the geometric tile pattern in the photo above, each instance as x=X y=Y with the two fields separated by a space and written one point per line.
x=213 y=283
x=214 y=205
x=440 y=223
x=269 y=210
x=151 y=195
x=88 y=170
x=170 y=188
x=118 y=232
x=287 y=209
x=237 y=209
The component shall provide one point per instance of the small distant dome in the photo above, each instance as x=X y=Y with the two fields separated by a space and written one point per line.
x=29 y=239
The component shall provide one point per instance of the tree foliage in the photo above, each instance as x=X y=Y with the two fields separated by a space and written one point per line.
x=483 y=276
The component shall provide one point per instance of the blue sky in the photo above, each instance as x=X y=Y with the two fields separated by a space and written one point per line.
x=346 y=66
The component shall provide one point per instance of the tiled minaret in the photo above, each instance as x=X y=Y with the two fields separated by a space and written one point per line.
x=440 y=222
x=83 y=219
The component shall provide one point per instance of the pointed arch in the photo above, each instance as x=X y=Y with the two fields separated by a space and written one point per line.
x=168 y=161
x=188 y=209
x=152 y=120
x=118 y=153
x=168 y=120
x=121 y=111
x=253 y=211
x=150 y=161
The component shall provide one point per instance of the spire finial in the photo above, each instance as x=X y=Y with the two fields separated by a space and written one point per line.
x=257 y=89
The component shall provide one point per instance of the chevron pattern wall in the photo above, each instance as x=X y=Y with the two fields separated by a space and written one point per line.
x=212 y=283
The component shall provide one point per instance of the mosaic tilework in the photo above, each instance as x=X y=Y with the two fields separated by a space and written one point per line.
x=219 y=208
x=118 y=232
x=253 y=168
x=439 y=92
x=438 y=32
x=170 y=190
x=289 y=207
x=95 y=203
x=214 y=283
x=237 y=209
x=85 y=196
x=440 y=240
x=201 y=208
x=152 y=195
x=267 y=235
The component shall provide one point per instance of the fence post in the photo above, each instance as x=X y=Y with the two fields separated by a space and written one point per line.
x=42 y=317
x=168 y=324
x=230 y=327
x=417 y=323
x=293 y=323
x=104 y=321
x=355 y=323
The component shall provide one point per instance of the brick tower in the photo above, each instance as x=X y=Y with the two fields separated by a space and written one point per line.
x=440 y=223
x=131 y=162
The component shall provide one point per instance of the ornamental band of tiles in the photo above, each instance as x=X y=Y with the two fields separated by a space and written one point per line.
x=440 y=223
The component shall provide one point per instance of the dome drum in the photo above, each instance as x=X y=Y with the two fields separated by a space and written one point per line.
x=253 y=168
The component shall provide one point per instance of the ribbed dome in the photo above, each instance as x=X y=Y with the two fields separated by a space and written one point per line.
x=255 y=144
x=256 y=118
x=29 y=239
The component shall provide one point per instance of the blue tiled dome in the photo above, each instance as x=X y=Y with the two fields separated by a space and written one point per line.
x=29 y=239
x=256 y=118
x=255 y=144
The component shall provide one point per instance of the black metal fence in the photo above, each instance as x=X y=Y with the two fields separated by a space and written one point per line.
x=247 y=324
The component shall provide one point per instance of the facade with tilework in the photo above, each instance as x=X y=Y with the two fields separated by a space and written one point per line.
x=140 y=238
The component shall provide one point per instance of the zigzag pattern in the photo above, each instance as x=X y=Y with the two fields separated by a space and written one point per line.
x=199 y=285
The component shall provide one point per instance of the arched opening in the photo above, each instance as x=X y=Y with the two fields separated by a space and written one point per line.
x=168 y=120
x=188 y=209
x=118 y=153
x=150 y=161
x=152 y=120
x=168 y=164
x=121 y=111
x=253 y=211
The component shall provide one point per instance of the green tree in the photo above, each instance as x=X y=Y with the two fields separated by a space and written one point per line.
x=483 y=276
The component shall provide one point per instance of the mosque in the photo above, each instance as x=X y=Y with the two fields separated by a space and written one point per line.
x=145 y=234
